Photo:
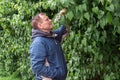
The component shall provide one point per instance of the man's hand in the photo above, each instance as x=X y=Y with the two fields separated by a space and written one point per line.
x=46 y=62
x=63 y=11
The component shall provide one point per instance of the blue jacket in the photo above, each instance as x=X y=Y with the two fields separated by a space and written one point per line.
x=48 y=46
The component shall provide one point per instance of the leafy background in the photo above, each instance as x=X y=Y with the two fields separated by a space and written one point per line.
x=92 y=50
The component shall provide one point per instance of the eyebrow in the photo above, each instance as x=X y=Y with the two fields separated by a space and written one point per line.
x=47 y=18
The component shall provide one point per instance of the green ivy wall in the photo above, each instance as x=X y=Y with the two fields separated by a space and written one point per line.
x=92 y=50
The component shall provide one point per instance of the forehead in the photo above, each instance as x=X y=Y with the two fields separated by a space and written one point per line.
x=43 y=16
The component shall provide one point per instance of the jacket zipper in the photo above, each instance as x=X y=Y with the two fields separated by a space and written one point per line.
x=55 y=41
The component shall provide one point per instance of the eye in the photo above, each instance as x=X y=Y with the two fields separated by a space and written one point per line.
x=46 y=19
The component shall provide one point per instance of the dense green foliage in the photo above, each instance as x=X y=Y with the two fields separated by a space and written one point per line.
x=92 y=49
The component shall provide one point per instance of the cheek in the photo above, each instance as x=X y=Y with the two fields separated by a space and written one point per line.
x=46 y=26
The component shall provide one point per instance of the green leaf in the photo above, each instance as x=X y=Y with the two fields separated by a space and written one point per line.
x=110 y=8
x=100 y=14
x=116 y=21
x=103 y=22
x=109 y=1
x=118 y=29
x=87 y=16
x=84 y=6
x=95 y=10
x=109 y=18
x=70 y=15
x=102 y=1
x=84 y=42
x=106 y=77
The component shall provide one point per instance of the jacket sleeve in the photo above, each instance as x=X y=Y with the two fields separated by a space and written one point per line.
x=60 y=31
x=37 y=57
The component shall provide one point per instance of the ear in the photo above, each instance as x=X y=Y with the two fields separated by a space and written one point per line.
x=39 y=25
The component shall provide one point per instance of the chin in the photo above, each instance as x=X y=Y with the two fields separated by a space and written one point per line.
x=52 y=28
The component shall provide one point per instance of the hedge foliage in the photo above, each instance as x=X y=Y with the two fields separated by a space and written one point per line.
x=92 y=50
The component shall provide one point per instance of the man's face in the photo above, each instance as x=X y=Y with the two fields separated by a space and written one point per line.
x=46 y=23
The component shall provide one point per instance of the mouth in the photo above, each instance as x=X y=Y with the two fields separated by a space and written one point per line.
x=50 y=24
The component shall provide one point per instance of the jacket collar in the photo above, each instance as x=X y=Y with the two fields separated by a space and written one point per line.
x=36 y=33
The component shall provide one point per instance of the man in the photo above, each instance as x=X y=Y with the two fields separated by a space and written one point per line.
x=46 y=56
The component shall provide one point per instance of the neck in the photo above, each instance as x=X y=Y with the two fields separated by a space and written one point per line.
x=48 y=31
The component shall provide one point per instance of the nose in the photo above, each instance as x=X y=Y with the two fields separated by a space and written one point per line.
x=50 y=20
